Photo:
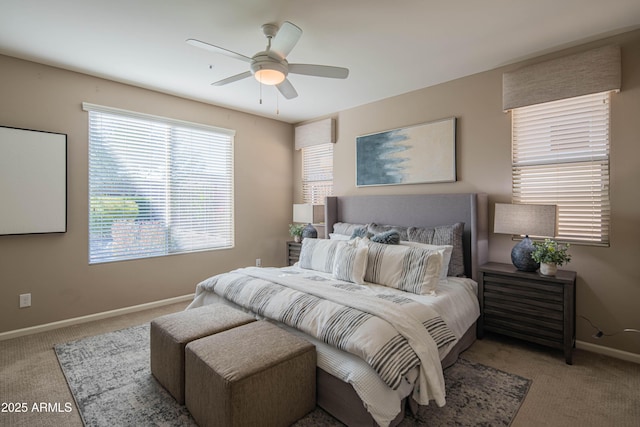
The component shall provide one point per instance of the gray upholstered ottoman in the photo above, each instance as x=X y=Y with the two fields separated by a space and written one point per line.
x=171 y=333
x=253 y=375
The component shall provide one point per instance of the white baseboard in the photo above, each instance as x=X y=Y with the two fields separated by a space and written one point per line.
x=608 y=351
x=91 y=317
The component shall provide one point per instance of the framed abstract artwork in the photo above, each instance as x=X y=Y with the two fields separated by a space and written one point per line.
x=424 y=153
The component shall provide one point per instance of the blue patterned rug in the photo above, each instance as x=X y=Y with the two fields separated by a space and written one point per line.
x=110 y=379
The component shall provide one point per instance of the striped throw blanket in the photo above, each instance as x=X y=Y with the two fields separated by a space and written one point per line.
x=392 y=333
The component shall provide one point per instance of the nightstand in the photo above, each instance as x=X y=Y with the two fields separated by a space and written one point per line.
x=528 y=306
x=293 y=252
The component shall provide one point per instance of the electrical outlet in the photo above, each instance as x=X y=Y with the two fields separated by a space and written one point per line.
x=25 y=300
x=258 y=262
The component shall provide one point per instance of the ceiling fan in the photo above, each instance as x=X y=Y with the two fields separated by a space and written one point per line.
x=270 y=66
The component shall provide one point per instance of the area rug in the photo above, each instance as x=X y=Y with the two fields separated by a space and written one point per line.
x=110 y=379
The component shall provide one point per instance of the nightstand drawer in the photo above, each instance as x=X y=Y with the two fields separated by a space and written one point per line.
x=536 y=335
x=538 y=326
x=499 y=296
x=524 y=309
x=523 y=288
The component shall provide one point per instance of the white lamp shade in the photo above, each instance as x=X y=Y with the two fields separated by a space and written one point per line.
x=521 y=219
x=308 y=213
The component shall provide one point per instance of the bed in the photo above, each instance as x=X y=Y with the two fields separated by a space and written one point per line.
x=356 y=392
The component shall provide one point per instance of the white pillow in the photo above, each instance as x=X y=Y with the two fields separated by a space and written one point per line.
x=350 y=263
x=318 y=254
x=446 y=257
x=336 y=236
x=408 y=268
x=346 y=228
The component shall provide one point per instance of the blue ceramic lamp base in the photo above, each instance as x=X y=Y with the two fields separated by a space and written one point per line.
x=521 y=256
x=310 y=232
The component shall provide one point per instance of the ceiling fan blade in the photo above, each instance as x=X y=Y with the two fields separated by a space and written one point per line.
x=232 y=79
x=287 y=90
x=286 y=38
x=319 y=70
x=218 y=49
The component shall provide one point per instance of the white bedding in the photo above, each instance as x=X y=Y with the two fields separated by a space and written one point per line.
x=455 y=301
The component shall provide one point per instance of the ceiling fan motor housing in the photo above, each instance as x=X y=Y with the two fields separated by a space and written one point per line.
x=262 y=61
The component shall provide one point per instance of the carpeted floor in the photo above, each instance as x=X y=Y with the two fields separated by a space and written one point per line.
x=595 y=391
x=112 y=384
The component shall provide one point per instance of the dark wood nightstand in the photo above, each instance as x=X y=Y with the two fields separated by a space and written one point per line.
x=529 y=306
x=293 y=252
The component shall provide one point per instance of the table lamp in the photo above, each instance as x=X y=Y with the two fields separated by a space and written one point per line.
x=310 y=214
x=527 y=220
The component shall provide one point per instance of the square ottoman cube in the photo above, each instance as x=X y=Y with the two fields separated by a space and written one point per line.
x=172 y=332
x=253 y=375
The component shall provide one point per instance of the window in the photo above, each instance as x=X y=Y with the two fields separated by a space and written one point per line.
x=317 y=173
x=157 y=186
x=561 y=156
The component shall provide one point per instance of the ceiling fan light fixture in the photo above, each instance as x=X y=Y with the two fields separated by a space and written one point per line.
x=267 y=71
x=267 y=76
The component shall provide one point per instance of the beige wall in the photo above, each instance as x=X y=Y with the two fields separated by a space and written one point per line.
x=54 y=267
x=608 y=288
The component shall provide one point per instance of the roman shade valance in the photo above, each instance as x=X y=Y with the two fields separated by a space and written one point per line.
x=593 y=71
x=315 y=133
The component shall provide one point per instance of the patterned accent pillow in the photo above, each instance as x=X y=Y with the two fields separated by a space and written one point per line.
x=391 y=237
x=350 y=263
x=377 y=229
x=443 y=235
x=318 y=254
x=446 y=256
x=411 y=269
x=361 y=232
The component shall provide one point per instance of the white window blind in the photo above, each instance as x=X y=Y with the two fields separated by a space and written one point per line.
x=561 y=156
x=317 y=173
x=157 y=186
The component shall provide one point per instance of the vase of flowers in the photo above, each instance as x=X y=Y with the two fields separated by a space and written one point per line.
x=551 y=255
x=295 y=230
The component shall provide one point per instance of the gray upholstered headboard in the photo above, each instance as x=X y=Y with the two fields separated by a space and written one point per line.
x=420 y=210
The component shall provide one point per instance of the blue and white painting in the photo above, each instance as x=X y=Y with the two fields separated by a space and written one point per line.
x=424 y=153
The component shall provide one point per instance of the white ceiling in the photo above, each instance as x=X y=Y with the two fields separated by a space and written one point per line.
x=390 y=47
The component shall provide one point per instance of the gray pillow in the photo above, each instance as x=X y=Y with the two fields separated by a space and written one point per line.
x=443 y=235
x=421 y=235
